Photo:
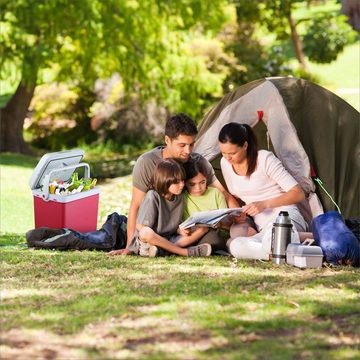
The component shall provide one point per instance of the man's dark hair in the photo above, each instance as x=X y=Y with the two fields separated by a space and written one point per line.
x=180 y=124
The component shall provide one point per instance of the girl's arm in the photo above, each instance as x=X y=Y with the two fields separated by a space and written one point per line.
x=195 y=236
x=292 y=196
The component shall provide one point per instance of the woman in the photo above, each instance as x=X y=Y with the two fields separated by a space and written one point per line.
x=259 y=179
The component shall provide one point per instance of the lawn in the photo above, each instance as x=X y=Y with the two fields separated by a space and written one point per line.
x=86 y=305
x=343 y=75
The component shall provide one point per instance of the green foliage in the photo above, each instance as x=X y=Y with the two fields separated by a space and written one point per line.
x=81 y=41
x=324 y=46
x=304 y=74
x=322 y=29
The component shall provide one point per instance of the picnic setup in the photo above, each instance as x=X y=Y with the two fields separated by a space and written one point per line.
x=179 y=180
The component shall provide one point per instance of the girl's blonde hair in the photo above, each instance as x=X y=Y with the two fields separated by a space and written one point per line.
x=167 y=172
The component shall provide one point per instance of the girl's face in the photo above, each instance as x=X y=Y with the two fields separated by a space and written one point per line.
x=233 y=153
x=177 y=188
x=196 y=186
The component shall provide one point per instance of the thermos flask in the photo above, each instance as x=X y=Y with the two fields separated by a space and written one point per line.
x=280 y=237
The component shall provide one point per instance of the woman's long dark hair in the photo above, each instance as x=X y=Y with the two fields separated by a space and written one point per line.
x=237 y=134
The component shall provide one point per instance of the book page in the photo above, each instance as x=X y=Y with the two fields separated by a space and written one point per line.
x=209 y=218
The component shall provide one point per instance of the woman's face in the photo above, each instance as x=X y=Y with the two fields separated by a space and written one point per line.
x=196 y=186
x=233 y=153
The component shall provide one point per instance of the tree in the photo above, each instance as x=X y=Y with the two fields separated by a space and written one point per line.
x=278 y=17
x=80 y=40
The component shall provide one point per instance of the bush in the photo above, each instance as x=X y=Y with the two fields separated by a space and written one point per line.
x=323 y=46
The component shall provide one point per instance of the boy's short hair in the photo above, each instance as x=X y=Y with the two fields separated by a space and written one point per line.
x=180 y=124
x=167 y=172
x=194 y=167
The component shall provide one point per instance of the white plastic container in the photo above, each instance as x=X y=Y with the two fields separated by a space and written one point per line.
x=304 y=255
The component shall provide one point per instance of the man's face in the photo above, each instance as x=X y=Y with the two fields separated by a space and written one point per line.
x=181 y=147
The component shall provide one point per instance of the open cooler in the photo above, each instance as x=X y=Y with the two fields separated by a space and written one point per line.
x=77 y=211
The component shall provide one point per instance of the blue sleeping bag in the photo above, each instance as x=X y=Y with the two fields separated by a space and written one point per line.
x=337 y=242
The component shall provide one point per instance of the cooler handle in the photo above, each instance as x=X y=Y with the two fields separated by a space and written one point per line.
x=45 y=194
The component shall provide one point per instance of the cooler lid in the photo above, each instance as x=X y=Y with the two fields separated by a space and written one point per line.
x=303 y=250
x=55 y=160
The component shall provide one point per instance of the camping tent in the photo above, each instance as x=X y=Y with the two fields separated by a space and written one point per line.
x=309 y=128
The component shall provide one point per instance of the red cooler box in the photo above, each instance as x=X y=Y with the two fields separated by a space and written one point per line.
x=76 y=211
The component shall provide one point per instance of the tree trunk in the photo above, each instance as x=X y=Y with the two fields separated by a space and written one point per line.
x=12 y=118
x=296 y=42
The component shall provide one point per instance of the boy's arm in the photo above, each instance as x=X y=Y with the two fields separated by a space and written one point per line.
x=231 y=200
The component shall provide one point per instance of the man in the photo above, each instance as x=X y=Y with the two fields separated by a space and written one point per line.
x=180 y=133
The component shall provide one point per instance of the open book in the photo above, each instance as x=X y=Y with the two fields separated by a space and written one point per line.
x=209 y=218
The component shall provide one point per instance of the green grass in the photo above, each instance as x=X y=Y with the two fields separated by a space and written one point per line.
x=16 y=207
x=344 y=73
x=86 y=305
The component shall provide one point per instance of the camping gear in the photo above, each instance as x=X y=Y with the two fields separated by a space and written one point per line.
x=338 y=243
x=304 y=256
x=280 y=237
x=76 y=211
x=111 y=236
x=311 y=130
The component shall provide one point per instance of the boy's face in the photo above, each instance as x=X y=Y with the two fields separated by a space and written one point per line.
x=196 y=186
x=181 y=147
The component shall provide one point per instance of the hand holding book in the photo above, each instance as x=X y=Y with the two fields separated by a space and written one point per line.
x=209 y=218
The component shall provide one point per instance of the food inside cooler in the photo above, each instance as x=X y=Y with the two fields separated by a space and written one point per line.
x=72 y=186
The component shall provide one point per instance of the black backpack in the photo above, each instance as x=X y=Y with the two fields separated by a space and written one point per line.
x=112 y=235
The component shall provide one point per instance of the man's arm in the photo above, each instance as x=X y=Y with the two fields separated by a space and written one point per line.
x=231 y=200
x=136 y=199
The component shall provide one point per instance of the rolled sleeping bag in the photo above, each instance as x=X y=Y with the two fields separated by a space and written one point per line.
x=336 y=240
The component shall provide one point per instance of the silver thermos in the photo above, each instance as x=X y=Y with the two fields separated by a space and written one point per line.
x=280 y=237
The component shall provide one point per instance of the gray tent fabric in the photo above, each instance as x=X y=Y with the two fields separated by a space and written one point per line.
x=308 y=127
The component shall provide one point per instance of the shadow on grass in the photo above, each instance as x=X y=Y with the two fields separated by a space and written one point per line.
x=111 y=168
x=11 y=159
x=102 y=168
x=194 y=308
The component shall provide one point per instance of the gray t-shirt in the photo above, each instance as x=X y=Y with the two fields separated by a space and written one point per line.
x=163 y=216
x=146 y=163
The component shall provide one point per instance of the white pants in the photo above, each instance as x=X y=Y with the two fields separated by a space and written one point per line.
x=258 y=246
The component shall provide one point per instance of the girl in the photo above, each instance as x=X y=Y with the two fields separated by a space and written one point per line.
x=199 y=197
x=160 y=214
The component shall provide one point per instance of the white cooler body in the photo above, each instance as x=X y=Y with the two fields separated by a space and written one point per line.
x=304 y=256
